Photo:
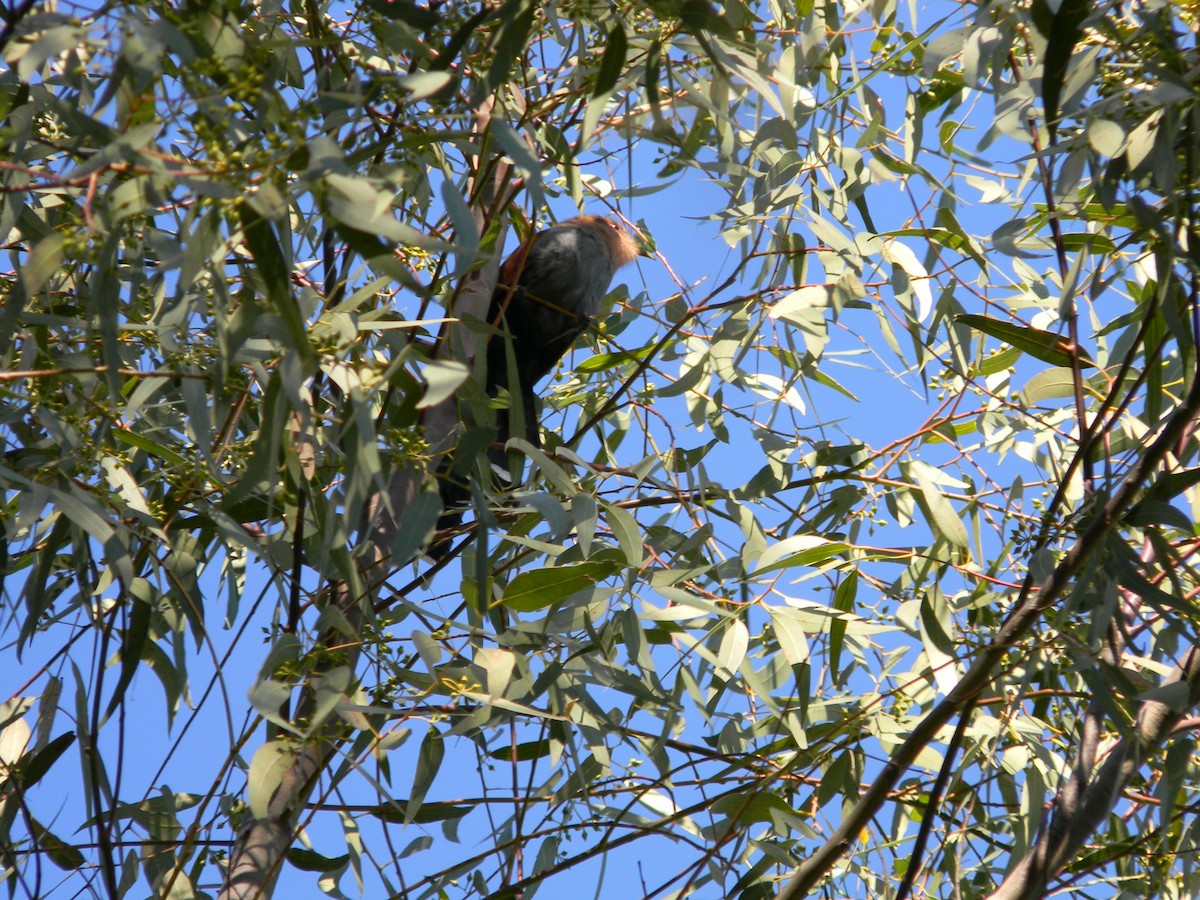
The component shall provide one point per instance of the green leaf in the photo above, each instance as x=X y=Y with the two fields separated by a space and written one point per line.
x=1052 y=384
x=272 y=268
x=942 y=516
x=420 y=517
x=31 y=768
x=508 y=44
x=734 y=644
x=264 y=462
x=513 y=144
x=1105 y=137
x=267 y=696
x=937 y=628
x=312 y=861
x=602 y=362
x=751 y=806
x=523 y=752
x=62 y=854
x=1065 y=31
x=585 y=515
x=442 y=378
x=396 y=811
x=800 y=550
x=998 y=361
x=613 y=61
x=1096 y=244
x=84 y=511
x=540 y=588
x=132 y=646
x=789 y=631
x=653 y=70
x=43 y=261
x=429 y=761
x=843 y=601
x=141 y=442
x=267 y=768
x=1148 y=512
x=498 y=666
x=45 y=43
x=423 y=85
x=701 y=18
x=627 y=532
x=1173 y=484
x=1043 y=345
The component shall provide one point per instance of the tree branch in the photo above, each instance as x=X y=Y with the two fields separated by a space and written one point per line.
x=1027 y=612
x=1078 y=813
x=259 y=850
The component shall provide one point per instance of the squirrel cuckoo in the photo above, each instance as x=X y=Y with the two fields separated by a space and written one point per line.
x=547 y=293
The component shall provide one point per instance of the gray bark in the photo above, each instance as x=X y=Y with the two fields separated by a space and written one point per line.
x=1083 y=805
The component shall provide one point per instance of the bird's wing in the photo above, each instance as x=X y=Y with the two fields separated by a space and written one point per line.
x=569 y=268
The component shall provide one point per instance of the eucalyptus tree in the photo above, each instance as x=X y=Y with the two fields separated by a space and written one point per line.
x=856 y=555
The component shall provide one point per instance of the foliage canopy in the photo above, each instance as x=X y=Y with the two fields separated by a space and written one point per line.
x=859 y=553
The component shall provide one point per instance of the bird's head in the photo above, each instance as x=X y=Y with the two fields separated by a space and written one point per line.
x=623 y=248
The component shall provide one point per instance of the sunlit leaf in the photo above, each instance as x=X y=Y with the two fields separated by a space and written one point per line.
x=1043 y=345
x=800 y=550
x=540 y=588
x=267 y=769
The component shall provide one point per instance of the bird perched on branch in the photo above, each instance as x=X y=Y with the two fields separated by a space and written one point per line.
x=547 y=293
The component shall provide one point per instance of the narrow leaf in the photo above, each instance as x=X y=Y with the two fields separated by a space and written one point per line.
x=843 y=601
x=942 y=515
x=312 y=861
x=734 y=644
x=613 y=60
x=800 y=550
x=540 y=588
x=429 y=761
x=32 y=768
x=273 y=270
x=1065 y=31
x=1043 y=345
x=131 y=650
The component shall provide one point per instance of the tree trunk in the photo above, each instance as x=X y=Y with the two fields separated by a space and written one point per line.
x=259 y=850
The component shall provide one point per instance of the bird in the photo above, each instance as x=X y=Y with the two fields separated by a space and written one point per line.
x=547 y=293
